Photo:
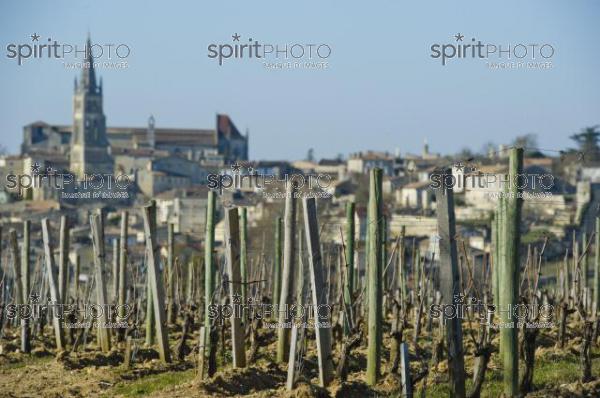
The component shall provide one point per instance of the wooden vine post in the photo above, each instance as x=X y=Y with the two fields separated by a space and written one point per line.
x=319 y=292
x=25 y=256
x=277 y=262
x=450 y=284
x=495 y=255
x=171 y=314
x=115 y=270
x=349 y=274
x=584 y=261
x=243 y=214
x=63 y=259
x=209 y=266
x=19 y=284
x=298 y=329
x=289 y=258
x=509 y=273
x=156 y=284
x=97 y=226
x=123 y=270
x=52 y=273
x=374 y=277
x=150 y=321
x=235 y=288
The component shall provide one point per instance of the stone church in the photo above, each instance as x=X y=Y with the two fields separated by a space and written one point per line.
x=88 y=146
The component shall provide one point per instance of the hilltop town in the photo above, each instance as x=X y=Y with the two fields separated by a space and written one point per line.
x=76 y=167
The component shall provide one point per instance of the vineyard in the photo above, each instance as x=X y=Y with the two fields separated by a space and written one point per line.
x=283 y=310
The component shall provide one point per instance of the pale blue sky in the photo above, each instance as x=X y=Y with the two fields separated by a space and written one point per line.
x=382 y=91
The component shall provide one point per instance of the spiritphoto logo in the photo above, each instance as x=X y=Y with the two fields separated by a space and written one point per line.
x=89 y=186
x=301 y=315
x=496 y=56
x=530 y=315
x=75 y=315
x=495 y=183
x=106 y=55
x=307 y=185
x=272 y=56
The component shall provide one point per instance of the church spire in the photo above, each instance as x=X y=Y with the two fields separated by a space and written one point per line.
x=88 y=76
x=90 y=148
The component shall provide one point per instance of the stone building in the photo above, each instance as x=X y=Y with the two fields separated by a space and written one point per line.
x=89 y=146
x=90 y=151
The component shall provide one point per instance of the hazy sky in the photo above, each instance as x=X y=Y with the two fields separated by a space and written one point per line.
x=381 y=91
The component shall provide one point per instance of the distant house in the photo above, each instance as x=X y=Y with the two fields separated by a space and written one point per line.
x=152 y=182
x=41 y=164
x=419 y=169
x=40 y=136
x=362 y=162
x=425 y=155
x=335 y=168
x=415 y=195
x=171 y=172
x=482 y=189
x=276 y=168
x=392 y=184
x=180 y=166
x=130 y=160
x=424 y=173
x=487 y=179
x=185 y=208
x=590 y=173
x=11 y=165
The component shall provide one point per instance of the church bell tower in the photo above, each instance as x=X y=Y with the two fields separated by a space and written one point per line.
x=90 y=149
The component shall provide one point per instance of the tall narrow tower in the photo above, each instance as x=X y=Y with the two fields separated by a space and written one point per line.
x=150 y=132
x=89 y=145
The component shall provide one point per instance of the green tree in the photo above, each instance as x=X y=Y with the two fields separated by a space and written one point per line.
x=587 y=140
